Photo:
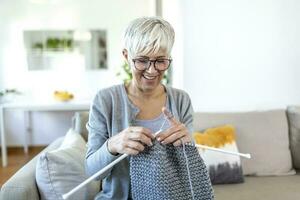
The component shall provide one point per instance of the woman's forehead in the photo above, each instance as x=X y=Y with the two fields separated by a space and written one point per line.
x=160 y=53
x=152 y=56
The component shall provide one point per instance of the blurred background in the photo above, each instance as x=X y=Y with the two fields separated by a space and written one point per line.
x=228 y=55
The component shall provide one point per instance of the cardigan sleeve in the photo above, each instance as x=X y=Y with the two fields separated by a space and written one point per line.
x=98 y=156
x=186 y=112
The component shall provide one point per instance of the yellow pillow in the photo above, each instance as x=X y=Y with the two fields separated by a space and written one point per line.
x=223 y=168
x=216 y=137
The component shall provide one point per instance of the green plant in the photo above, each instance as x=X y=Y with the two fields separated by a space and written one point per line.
x=37 y=45
x=8 y=95
x=52 y=43
x=57 y=43
x=126 y=75
x=9 y=91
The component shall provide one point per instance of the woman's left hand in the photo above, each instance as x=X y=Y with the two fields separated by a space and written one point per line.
x=175 y=133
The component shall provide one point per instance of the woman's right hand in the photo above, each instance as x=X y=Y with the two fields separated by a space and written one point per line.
x=130 y=141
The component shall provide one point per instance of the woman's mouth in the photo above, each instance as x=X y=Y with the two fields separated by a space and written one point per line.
x=149 y=77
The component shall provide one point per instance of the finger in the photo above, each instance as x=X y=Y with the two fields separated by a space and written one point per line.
x=174 y=137
x=143 y=130
x=131 y=151
x=161 y=136
x=185 y=139
x=169 y=116
x=135 y=145
x=138 y=136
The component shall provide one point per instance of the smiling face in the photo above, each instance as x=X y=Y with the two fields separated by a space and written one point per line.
x=148 y=39
x=147 y=80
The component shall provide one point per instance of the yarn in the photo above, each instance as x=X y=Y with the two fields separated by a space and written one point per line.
x=168 y=172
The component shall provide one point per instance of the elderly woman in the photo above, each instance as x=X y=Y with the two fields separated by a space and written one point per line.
x=124 y=118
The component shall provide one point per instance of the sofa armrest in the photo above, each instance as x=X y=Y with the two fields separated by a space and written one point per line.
x=293 y=114
x=79 y=123
x=22 y=184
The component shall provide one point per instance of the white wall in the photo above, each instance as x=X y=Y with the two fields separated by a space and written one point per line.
x=19 y=15
x=239 y=55
x=228 y=55
x=173 y=13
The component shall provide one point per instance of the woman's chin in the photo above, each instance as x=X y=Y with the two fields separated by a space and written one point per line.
x=150 y=86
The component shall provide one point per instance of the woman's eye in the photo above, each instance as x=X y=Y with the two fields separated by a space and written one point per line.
x=142 y=61
x=162 y=61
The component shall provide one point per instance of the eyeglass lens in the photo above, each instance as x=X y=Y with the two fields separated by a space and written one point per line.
x=160 y=64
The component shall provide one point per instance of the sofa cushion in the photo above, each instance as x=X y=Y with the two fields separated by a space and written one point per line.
x=294 y=124
x=59 y=171
x=223 y=168
x=266 y=188
x=264 y=134
x=22 y=184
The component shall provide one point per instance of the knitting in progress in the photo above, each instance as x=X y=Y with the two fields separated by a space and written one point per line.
x=168 y=172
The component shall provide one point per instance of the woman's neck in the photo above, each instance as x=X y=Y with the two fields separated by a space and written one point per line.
x=141 y=94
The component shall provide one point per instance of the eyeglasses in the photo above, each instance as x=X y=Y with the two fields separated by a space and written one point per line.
x=142 y=64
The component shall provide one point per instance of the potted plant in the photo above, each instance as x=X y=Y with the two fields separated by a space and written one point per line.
x=7 y=95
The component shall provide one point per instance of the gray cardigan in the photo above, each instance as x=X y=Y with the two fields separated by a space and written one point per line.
x=110 y=113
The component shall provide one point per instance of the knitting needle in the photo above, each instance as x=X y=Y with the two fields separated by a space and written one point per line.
x=99 y=173
x=171 y=116
x=245 y=155
x=102 y=171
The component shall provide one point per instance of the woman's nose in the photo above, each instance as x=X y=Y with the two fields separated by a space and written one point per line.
x=151 y=68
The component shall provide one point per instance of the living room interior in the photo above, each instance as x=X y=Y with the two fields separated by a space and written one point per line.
x=237 y=60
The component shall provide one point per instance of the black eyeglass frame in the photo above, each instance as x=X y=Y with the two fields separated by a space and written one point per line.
x=154 y=62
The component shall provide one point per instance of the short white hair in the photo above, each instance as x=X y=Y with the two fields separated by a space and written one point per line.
x=148 y=35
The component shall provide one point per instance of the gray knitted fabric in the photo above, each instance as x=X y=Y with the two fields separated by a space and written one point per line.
x=160 y=172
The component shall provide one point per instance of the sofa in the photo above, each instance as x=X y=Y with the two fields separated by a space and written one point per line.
x=271 y=136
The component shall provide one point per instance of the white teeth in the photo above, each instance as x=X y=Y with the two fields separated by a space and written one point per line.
x=149 y=77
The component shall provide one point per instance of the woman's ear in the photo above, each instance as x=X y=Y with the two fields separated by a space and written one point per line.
x=125 y=54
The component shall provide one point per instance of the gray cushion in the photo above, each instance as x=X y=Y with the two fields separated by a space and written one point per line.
x=22 y=184
x=266 y=188
x=294 y=124
x=59 y=171
x=263 y=134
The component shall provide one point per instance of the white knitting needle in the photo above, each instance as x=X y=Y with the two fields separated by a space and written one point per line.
x=245 y=155
x=171 y=116
x=99 y=173
x=102 y=171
